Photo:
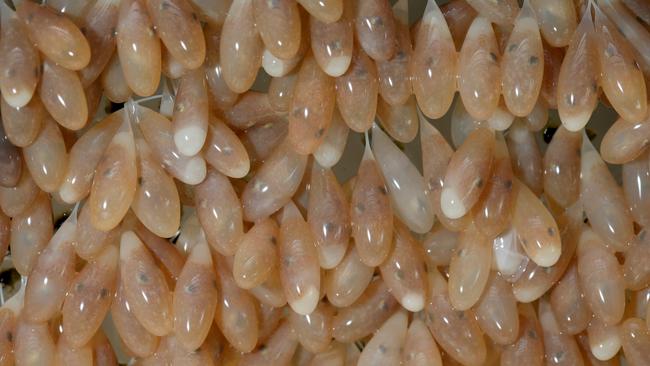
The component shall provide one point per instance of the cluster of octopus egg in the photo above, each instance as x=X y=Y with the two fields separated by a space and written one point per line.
x=204 y=223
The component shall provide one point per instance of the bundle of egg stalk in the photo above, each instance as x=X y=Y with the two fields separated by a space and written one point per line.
x=205 y=224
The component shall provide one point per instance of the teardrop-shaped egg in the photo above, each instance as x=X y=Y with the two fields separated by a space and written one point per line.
x=278 y=24
x=195 y=298
x=332 y=41
x=138 y=47
x=522 y=65
x=577 y=86
x=299 y=269
x=63 y=96
x=536 y=228
x=311 y=108
x=404 y=272
x=601 y=278
x=569 y=306
x=356 y=92
x=328 y=216
x=89 y=297
x=134 y=336
x=236 y=314
x=557 y=20
x=535 y=279
x=191 y=111
x=496 y=311
x=467 y=173
x=256 y=255
x=99 y=25
x=469 y=268
x=436 y=154
x=273 y=183
x=220 y=212
x=85 y=155
x=224 y=150
x=603 y=200
x=457 y=332
x=145 y=287
x=394 y=78
x=114 y=185
x=46 y=158
x=375 y=28
x=406 y=186
x=371 y=213
x=52 y=274
x=624 y=141
x=57 y=37
x=22 y=125
x=156 y=202
x=562 y=168
x=334 y=142
x=241 y=47
x=493 y=210
x=636 y=181
x=219 y=92
x=31 y=230
x=19 y=62
x=433 y=64
x=479 y=73
x=179 y=29
x=621 y=78
x=345 y=283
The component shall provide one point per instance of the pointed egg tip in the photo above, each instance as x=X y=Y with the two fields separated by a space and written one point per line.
x=194 y=171
x=18 y=100
x=451 y=205
x=548 y=256
x=607 y=350
x=338 y=65
x=189 y=140
x=413 y=302
x=67 y=193
x=576 y=122
x=307 y=303
x=331 y=256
